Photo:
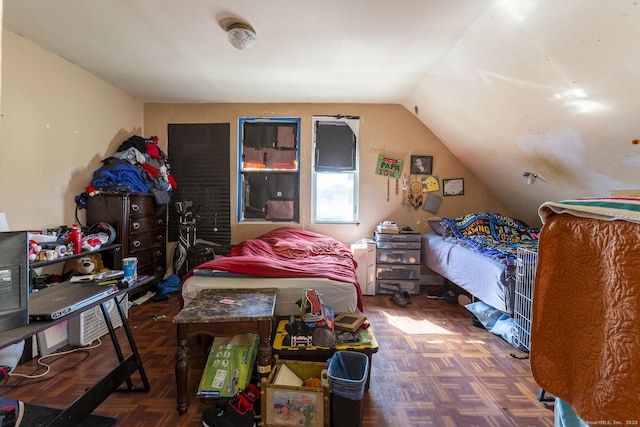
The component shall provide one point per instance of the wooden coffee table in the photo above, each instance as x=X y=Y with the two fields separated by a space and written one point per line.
x=223 y=312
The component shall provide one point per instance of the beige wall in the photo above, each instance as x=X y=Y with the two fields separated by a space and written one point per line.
x=58 y=123
x=384 y=129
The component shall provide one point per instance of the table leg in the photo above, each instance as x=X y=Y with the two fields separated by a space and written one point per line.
x=265 y=352
x=183 y=360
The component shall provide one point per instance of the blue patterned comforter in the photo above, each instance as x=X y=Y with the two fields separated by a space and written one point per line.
x=491 y=234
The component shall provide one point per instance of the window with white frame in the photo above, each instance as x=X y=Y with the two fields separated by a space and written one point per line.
x=335 y=169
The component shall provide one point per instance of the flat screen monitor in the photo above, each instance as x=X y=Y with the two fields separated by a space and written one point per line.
x=14 y=279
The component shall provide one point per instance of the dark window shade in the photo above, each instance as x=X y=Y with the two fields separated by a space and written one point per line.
x=259 y=135
x=260 y=187
x=269 y=135
x=199 y=156
x=335 y=147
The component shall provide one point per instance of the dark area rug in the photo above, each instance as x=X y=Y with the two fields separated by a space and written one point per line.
x=37 y=416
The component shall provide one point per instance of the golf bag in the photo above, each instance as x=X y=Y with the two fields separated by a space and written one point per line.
x=186 y=237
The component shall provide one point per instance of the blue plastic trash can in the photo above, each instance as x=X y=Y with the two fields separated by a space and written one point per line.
x=347 y=379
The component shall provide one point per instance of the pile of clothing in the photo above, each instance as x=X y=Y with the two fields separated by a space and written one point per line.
x=138 y=166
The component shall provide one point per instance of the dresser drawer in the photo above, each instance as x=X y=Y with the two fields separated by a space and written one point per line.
x=146 y=223
x=141 y=205
x=393 y=286
x=398 y=272
x=145 y=240
x=390 y=256
x=150 y=256
x=157 y=269
x=398 y=245
x=384 y=237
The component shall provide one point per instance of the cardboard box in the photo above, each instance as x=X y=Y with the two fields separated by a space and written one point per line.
x=285 y=405
x=229 y=365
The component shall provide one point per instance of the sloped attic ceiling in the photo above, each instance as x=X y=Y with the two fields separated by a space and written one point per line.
x=508 y=85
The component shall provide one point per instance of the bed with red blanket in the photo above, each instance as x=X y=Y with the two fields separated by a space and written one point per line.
x=290 y=260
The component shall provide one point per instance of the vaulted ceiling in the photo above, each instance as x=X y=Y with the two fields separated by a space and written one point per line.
x=509 y=86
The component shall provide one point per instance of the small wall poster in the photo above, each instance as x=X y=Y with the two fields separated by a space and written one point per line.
x=430 y=183
x=388 y=166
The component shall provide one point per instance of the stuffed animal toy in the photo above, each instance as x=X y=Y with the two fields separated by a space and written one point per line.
x=34 y=250
x=90 y=263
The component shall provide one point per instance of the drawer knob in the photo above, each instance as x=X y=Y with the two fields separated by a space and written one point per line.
x=135 y=207
x=160 y=221
x=136 y=243
x=159 y=237
x=135 y=225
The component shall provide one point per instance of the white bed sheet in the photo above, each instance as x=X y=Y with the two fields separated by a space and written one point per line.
x=340 y=296
x=479 y=275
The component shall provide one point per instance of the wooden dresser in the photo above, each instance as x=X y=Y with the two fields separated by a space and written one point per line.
x=140 y=225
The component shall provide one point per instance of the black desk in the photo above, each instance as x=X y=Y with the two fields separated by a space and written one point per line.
x=92 y=398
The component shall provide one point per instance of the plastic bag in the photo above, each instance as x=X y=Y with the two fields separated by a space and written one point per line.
x=315 y=313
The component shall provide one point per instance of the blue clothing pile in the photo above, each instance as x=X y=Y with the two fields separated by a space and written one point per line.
x=118 y=175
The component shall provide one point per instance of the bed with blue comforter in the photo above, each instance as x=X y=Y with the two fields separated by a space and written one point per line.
x=478 y=252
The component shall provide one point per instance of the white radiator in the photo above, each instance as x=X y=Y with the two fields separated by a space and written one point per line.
x=90 y=325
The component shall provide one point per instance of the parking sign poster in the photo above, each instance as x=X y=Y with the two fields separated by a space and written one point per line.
x=388 y=166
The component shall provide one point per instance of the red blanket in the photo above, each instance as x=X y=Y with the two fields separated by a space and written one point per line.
x=290 y=252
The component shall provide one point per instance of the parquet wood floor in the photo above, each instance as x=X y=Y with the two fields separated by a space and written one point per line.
x=433 y=368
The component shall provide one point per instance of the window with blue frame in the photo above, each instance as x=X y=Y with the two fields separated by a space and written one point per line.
x=269 y=171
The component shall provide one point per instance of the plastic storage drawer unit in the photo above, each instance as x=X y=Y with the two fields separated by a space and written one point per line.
x=399 y=272
x=393 y=286
x=395 y=256
x=397 y=262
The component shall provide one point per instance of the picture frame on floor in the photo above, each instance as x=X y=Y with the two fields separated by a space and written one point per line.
x=288 y=407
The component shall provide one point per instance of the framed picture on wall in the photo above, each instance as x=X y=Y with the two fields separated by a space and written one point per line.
x=453 y=187
x=421 y=165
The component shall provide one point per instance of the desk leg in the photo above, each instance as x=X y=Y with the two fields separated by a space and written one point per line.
x=265 y=351
x=114 y=338
x=132 y=344
x=183 y=360
x=93 y=397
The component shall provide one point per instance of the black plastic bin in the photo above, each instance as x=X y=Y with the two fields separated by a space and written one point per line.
x=347 y=380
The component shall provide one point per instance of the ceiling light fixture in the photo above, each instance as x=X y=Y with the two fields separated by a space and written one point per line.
x=241 y=36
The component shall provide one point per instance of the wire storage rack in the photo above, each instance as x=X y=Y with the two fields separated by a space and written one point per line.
x=526 y=263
